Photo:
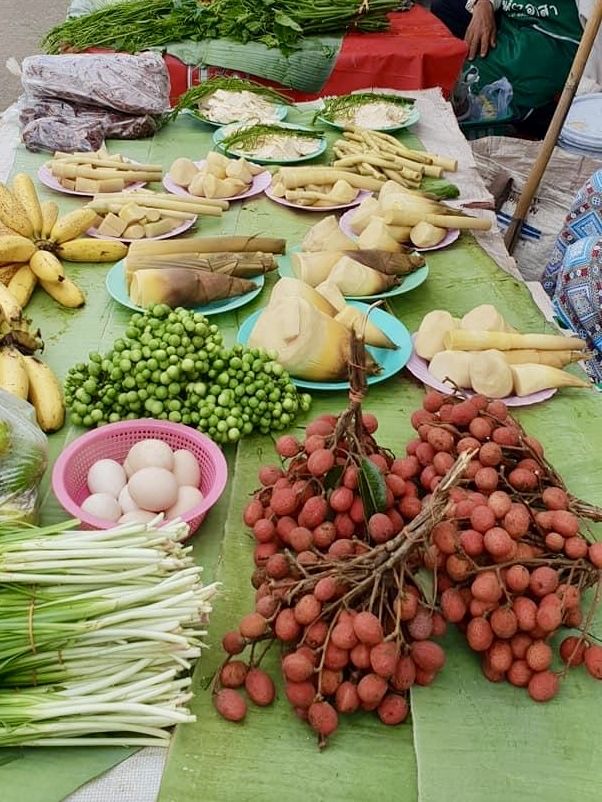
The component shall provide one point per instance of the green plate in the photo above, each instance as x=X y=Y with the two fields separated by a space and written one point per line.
x=412 y=119
x=409 y=283
x=117 y=289
x=222 y=133
x=280 y=111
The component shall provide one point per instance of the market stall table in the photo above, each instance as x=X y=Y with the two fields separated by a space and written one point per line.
x=461 y=724
x=418 y=52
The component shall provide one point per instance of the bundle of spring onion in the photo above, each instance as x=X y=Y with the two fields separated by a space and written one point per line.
x=137 y=25
x=99 y=632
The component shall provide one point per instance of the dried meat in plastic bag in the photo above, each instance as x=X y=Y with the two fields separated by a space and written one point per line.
x=23 y=459
x=133 y=84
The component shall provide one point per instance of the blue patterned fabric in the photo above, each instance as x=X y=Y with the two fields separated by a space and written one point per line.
x=573 y=276
x=583 y=220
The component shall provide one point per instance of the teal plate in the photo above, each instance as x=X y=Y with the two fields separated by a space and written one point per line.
x=409 y=283
x=117 y=289
x=279 y=110
x=390 y=361
x=412 y=119
x=221 y=133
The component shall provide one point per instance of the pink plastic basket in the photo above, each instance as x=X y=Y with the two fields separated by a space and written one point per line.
x=113 y=441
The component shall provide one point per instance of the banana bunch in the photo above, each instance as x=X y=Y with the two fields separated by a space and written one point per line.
x=34 y=239
x=24 y=374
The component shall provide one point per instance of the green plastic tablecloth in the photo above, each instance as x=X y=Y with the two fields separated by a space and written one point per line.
x=469 y=740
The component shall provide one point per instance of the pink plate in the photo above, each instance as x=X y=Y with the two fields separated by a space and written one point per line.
x=93 y=232
x=46 y=178
x=260 y=183
x=363 y=194
x=451 y=236
x=418 y=367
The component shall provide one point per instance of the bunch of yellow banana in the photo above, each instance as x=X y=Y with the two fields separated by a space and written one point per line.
x=21 y=372
x=33 y=236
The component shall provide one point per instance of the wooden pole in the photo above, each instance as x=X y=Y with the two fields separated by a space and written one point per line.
x=547 y=146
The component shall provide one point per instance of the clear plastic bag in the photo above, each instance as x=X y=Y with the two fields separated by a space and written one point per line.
x=23 y=459
x=132 y=84
x=491 y=102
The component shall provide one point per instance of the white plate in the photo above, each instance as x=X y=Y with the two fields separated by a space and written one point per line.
x=259 y=184
x=186 y=224
x=46 y=178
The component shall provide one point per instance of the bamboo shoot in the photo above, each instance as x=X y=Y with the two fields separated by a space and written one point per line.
x=403 y=217
x=288 y=288
x=485 y=318
x=183 y=287
x=314 y=267
x=354 y=278
x=453 y=366
x=376 y=236
x=293 y=177
x=209 y=245
x=327 y=236
x=364 y=213
x=332 y=294
x=531 y=378
x=469 y=340
x=490 y=374
x=431 y=336
x=424 y=235
x=355 y=320
x=554 y=359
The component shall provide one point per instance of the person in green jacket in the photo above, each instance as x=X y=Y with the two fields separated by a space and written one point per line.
x=531 y=44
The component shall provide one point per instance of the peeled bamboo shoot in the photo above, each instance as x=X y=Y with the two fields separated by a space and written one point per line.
x=424 y=235
x=314 y=267
x=308 y=343
x=470 y=340
x=364 y=213
x=327 y=236
x=332 y=294
x=293 y=177
x=490 y=374
x=209 y=245
x=531 y=378
x=354 y=278
x=376 y=236
x=431 y=336
x=485 y=318
x=554 y=359
x=355 y=320
x=288 y=288
x=403 y=217
x=453 y=366
x=184 y=287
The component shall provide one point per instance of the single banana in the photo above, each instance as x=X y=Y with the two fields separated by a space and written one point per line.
x=92 y=250
x=46 y=266
x=72 y=225
x=12 y=213
x=13 y=374
x=66 y=292
x=45 y=393
x=8 y=303
x=14 y=248
x=22 y=284
x=50 y=213
x=25 y=192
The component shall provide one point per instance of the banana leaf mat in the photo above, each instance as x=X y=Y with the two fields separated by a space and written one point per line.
x=469 y=740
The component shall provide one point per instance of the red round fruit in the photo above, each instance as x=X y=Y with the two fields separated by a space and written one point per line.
x=526 y=613
x=330 y=681
x=463 y=413
x=341 y=499
x=410 y=507
x=300 y=539
x=253 y=626
x=486 y=587
x=343 y=635
x=286 y=626
x=284 y=501
x=260 y=687
x=230 y=705
x=471 y=542
x=453 y=605
x=428 y=655
x=307 y=609
x=593 y=660
x=572 y=650
x=320 y=462
x=498 y=543
x=499 y=656
x=393 y=709
x=371 y=690
x=576 y=548
x=421 y=626
x=595 y=554
x=300 y=694
x=253 y=512
x=380 y=528
x=405 y=674
x=519 y=645
x=288 y=446
x=543 y=686
x=517 y=521
x=346 y=698
x=313 y=512
x=490 y=454
x=370 y=422
x=326 y=589
x=482 y=518
x=383 y=659
x=323 y=718
x=297 y=668
x=316 y=633
x=544 y=580
x=539 y=656
x=344 y=526
x=368 y=628
x=565 y=522
x=555 y=498
x=503 y=623
x=433 y=400
x=360 y=656
x=269 y=475
x=555 y=542
x=479 y=634
x=519 y=674
x=233 y=642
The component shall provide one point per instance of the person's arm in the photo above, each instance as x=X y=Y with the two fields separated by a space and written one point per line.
x=481 y=31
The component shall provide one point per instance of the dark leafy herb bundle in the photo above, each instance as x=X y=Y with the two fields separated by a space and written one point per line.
x=137 y=25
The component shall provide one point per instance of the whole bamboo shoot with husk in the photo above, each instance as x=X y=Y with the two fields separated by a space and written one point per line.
x=431 y=336
x=355 y=320
x=452 y=365
x=470 y=340
x=554 y=359
x=532 y=378
x=314 y=267
x=364 y=213
x=403 y=217
x=308 y=344
x=241 y=265
x=327 y=236
x=294 y=288
x=184 y=287
x=490 y=374
x=392 y=264
x=376 y=236
x=485 y=318
x=208 y=245
x=424 y=235
x=332 y=294
x=354 y=278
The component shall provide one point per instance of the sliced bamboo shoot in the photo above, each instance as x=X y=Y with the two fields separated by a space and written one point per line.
x=357 y=321
x=469 y=340
x=376 y=236
x=531 y=378
x=453 y=366
x=430 y=338
x=424 y=235
x=485 y=318
x=364 y=213
x=490 y=374
x=182 y=172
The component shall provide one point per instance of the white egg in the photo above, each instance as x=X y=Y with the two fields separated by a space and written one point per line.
x=137 y=517
x=126 y=502
x=153 y=489
x=106 y=476
x=129 y=472
x=150 y=454
x=188 y=497
x=186 y=468
x=103 y=506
